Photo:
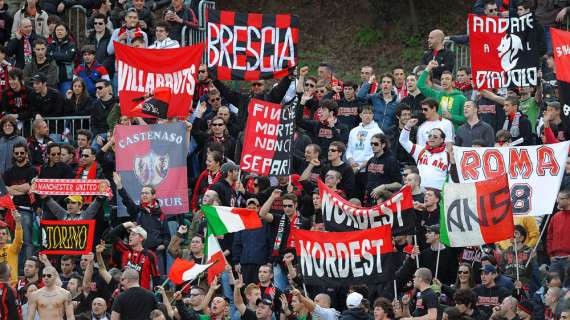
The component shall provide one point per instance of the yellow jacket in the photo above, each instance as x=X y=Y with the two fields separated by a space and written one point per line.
x=9 y=253
x=529 y=223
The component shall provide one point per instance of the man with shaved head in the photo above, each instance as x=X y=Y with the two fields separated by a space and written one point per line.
x=445 y=58
x=321 y=307
x=51 y=301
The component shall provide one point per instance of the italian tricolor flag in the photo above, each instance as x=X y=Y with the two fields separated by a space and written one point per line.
x=215 y=257
x=184 y=270
x=473 y=214
x=222 y=220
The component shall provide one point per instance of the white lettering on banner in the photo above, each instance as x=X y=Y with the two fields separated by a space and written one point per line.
x=167 y=202
x=139 y=80
x=224 y=47
x=502 y=25
x=341 y=260
x=151 y=136
x=262 y=164
x=504 y=79
x=563 y=50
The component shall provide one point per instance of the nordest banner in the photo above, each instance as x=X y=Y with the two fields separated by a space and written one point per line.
x=534 y=172
x=251 y=46
x=142 y=70
x=154 y=155
x=269 y=137
x=344 y=258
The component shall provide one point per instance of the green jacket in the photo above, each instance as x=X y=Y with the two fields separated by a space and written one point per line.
x=456 y=99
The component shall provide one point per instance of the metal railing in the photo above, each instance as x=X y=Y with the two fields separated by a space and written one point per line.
x=58 y=125
x=461 y=52
x=191 y=36
x=76 y=18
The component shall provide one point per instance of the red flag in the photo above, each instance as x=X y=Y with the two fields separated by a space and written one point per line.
x=215 y=257
x=561 y=53
x=184 y=270
x=155 y=106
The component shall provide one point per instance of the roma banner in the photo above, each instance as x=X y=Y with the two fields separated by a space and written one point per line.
x=561 y=53
x=344 y=258
x=154 y=155
x=504 y=51
x=251 y=46
x=269 y=137
x=141 y=71
x=477 y=213
x=341 y=215
x=534 y=172
x=67 y=236
x=64 y=187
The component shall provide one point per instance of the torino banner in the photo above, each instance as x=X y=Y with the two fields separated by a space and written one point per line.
x=140 y=71
x=251 y=46
x=269 y=139
x=534 y=172
x=504 y=51
x=67 y=237
x=344 y=258
x=154 y=155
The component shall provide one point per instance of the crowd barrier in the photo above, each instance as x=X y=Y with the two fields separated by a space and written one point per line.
x=58 y=125
x=191 y=36
x=76 y=18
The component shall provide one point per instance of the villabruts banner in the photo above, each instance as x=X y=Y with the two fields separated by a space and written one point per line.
x=154 y=155
x=341 y=215
x=344 y=258
x=67 y=237
x=251 y=46
x=504 y=51
x=534 y=172
x=141 y=71
x=268 y=139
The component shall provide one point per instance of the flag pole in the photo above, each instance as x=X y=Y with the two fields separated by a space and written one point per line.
x=539 y=238
x=305 y=289
x=437 y=259
x=417 y=257
x=516 y=259
x=395 y=290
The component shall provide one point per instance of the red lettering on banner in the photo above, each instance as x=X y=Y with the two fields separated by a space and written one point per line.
x=547 y=161
x=469 y=165
x=520 y=163
x=487 y=170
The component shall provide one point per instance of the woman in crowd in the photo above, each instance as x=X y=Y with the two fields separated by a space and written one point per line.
x=63 y=50
x=9 y=136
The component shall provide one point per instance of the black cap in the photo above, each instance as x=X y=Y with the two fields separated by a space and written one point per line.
x=433 y=228
x=89 y=48
x=39 y=77
x=265 y=301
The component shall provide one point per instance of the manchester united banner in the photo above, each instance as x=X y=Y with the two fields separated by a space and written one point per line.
x=154 y=155
x=251 y=46
x=504 y=51
x=344 y=258
x=67 y=237
x=341 y=215
x=140 y=71
x=534 y=172
x=269 y=139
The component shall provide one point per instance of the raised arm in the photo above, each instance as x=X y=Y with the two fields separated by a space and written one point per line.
x=103 y=273
x=238 y=299
x=264 y=211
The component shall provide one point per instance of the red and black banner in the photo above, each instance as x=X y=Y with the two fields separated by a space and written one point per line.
x=142 y=71
x=561 y=53
x=344 y=258
x=504 y=51
x=269 y=139
x=67 y=236
x=156 y=105
x=251 y=46
x=342 y=215
x=64 y=187
x=154 y=155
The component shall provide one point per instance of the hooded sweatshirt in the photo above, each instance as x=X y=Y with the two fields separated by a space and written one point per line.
x=358 y=148
x=448 y=101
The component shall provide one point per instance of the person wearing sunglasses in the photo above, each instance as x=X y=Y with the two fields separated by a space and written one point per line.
x=54 y=168
x=101 y=35
x=51 y=301
x=382 y=170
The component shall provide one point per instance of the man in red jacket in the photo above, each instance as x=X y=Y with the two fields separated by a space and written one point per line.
x=558 y=241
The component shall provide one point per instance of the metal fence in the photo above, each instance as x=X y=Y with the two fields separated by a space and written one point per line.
x=461 y=52
x=60 y=125
x=191 y=36
x=76 y=18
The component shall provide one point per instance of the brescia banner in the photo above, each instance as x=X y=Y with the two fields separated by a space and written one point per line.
x=344 y=258
x=534 y=172
x=341 y=215
x=64 y=187
x=67 y=237
x=251 y=46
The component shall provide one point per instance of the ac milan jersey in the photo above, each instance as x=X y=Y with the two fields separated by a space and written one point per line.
x=144 y=262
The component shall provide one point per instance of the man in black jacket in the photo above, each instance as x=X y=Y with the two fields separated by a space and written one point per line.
x=100 y=108
x=24 y=38
x=437 y=52
x=45 y=101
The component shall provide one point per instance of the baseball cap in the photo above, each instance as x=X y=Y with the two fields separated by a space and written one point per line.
x=38 y=77
x=139 y=230
x=354 y=300
x=488 y=268
x=228 y=166
x=250 y=200
x=264 y=301
x=433 y=228
x=74 y=198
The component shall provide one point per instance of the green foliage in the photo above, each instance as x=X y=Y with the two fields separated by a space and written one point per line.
x=367 y=37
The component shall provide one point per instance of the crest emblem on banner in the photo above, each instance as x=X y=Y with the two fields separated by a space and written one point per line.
x=508 y=50
x=151 y=169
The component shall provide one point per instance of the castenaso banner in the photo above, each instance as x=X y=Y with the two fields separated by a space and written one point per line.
x=534 y=172
x=477 y=213
x=251 y=46
x=504 y=51
x=222 y=220
x=153 y=155
x=268 y=139
x=341 y=215
x=344 y=258
x=140 y=71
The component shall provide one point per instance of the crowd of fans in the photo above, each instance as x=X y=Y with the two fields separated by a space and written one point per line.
x=364 y=139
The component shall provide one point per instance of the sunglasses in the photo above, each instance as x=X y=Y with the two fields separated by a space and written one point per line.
x=309 y=85
x=99 y=88
x=433 y=136
x=333 y=150
x=201 y=71
x=85 y=155
x=99 y=23
x=425 y=109
x=55 y=154
x=287 y=206
x=19 y=152
x=256 y=84
x=321 y=91
x=375 y=144
x=47 y=275
x=215 y=99
x=217 y=124
x=462 y=272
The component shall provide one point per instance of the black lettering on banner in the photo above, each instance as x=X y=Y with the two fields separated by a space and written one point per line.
x=493 y=196
x=520 y=197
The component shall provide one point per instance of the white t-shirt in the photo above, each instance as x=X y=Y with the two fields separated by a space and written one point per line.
x=426 y=127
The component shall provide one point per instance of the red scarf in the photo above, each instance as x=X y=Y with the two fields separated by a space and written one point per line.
x=435 y=149
x=205 y=174
x=149 y=206
x=91 y=174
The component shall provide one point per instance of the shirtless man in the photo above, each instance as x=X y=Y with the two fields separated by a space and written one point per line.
x=51 y=301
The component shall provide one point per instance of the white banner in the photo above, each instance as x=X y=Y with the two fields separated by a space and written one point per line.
x=534 y=172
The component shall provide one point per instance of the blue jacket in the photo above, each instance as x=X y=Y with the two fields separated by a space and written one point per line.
x=383 y=113
x=252 y=246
